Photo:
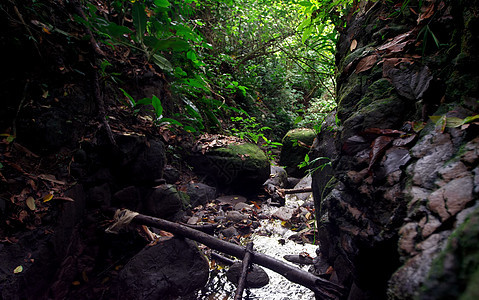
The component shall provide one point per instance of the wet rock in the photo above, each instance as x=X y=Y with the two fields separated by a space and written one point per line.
x=229 y=232
x=242 y=206
x=255 y=278
x=171 y=174
x=139 y=161
x=452 y=171
x=407 y=241
x=200 y=193
x=292 y=181
x=231 y=199
x=240 y=168
x=451 y=198
x=428 y=225
x=164 y=201
x=235 y=216
x=128 y=197
x=476 y=180
x=169 y=269
x=453 y=274
x=277 y=179
x=432 y=151
x=100 y=195
x=283 y=213
x=305 y=182
x=394 y=158
x=471 y=155
x=405 y=282
x=296 y=144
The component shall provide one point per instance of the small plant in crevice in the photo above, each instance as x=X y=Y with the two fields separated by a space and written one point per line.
x=312 y=165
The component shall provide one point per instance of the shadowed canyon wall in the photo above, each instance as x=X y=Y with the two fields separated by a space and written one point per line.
x=398 y=210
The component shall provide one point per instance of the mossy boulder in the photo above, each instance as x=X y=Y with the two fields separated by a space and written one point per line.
x=296 y=144
x=235 y=167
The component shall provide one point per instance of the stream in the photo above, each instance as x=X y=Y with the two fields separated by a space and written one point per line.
x=270 y=238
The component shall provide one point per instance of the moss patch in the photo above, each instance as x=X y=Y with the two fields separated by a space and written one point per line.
x=245 y=153
x=292 y=152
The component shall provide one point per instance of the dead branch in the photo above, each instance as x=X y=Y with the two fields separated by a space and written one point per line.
x=244 y=271
x=283 y=192
x=323 y=288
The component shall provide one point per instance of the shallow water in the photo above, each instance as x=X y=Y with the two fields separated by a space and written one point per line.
x=271 y=238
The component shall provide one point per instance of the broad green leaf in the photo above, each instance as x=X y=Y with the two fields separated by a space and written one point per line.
x=162 y=62
x=453 y=122
x=307 y=33
x=162 y=3
x=139 y=19
x=174 y=44
x=189 y=128
x=305 y=3
x=179 y=72
x=197 y=83
x=157 y=106
x=193 y=112
x=191 y=55
x=171 y=121
x=117 y=31
x=306 y=158
x=305 y=23
x=470 y=119
x=144 y=101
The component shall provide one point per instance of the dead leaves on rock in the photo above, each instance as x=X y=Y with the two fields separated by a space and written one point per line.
x=410 y=82
x=366 y=63
x=379 y=140
x=209 y=141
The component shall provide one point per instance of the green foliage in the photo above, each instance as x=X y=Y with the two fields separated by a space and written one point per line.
x=271 y=58
x=312 y=165
x=249 y=129
x=262 y=46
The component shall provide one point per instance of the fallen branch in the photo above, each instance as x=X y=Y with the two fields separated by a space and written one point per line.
x=323 y=288
x=244 y=271
x=283 y=192
x=222 y=259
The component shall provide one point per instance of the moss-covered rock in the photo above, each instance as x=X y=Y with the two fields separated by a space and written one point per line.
x=242 y=168
x=455 y=273
x=296 y=144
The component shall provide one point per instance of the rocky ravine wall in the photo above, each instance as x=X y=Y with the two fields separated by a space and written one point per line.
x=400 y=218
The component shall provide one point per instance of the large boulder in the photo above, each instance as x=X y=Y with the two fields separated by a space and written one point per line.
x=137 y=160
x=236 y=166
x=163 y=201
x=296 y=144
x=200 y=193
x=167 y=270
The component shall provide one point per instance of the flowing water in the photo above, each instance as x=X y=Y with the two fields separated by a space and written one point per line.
x=271 y=238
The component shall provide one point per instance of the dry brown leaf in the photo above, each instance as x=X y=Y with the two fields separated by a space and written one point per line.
x=31 y=203
x=379 y=146
x=353 y=46
x=397 y=43
x=64 y=199
x=366 y=63
x=427 y=10
x=51 y=178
